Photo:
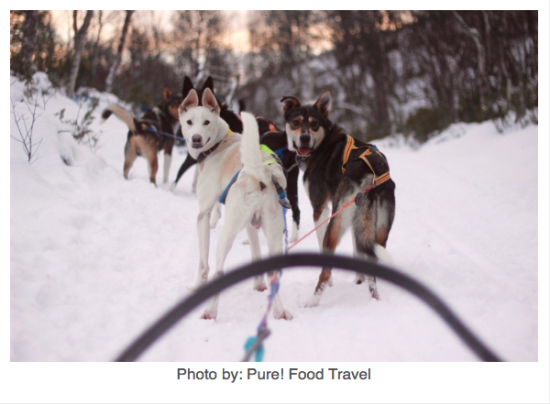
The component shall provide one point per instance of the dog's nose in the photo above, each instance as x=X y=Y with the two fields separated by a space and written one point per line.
x=304 y=139
x=196 y=139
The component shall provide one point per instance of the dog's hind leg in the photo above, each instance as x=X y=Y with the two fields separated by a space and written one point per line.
x=359 y=277
x=216 y=214
x=365 y=230
x=168 y=146
x=255 y=250
x=167 y=163
x=130 y=153
x=149 y=149
x=335 y=229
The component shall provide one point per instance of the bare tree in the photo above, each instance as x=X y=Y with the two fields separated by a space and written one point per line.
x=118 y=57
x=29 y=39
x=475 y=36
x=80 y=36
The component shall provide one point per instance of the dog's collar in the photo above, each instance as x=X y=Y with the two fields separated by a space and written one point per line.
x=206 y=153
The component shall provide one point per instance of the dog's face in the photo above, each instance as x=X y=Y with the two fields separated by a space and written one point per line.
x=306 y=126
x=200 y=124
x=172 y=102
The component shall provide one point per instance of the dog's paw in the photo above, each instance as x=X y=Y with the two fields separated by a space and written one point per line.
x=282 y=315
x=173 y=186
x=209 y=315
x=245 y=242
x=294 y=234
x=259 y=284
x=375 y=295
x=373 y=288
x=359 y=278
x=260 y=287
x=313 y=301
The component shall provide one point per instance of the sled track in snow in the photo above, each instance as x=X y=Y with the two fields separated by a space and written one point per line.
x=180 y=310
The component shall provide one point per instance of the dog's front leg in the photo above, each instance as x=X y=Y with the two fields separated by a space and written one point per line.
x=273 y=230
x=231 y=227
x=203 y=230
x=195 y=181
x=255 y=251
x=336 y=228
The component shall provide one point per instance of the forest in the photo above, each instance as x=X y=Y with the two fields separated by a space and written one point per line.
x=390 y=72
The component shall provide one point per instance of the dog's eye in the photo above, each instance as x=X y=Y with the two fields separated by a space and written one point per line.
x=296 y=123
x=189 y=122
x=314 y=125
x=206 y=122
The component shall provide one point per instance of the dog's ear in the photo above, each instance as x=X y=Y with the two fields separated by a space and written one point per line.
x=289 y=103
x=167 y=93
x=324 y=103
x=187 y=86
x=208 y=84
x=210 y=102
x=191 y=101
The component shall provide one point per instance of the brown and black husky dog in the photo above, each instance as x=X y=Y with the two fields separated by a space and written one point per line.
x=144 y=135
x=336 y=168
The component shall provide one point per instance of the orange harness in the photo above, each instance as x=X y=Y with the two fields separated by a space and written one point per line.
x=350 y=145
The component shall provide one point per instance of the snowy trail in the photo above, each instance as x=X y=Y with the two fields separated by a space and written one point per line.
x=96 y=258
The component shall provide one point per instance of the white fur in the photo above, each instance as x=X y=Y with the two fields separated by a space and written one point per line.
x=246 y=203
x=167 y=163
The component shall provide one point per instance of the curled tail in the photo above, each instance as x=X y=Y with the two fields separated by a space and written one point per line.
x=251 y=155
x=121 y=113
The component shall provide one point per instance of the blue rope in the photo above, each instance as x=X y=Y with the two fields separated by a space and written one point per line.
x=156 y=131
x=255 y=343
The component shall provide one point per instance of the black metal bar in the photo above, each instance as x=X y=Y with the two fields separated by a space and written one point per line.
x=215 y=286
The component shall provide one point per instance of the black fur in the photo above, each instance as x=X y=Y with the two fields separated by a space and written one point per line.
x=276 y=140
x=322 y=165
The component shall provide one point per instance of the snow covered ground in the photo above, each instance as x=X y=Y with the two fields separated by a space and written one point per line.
x=95 y=258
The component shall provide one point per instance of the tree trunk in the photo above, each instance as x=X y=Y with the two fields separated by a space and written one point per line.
x=118 y=57
x=95 y=54
x=79 y=39
x=27 y=47
x=476 y=37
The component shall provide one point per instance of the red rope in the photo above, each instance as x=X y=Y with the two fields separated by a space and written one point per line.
x=346 y=205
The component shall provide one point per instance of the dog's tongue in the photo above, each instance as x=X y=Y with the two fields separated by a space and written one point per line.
x=304 y=151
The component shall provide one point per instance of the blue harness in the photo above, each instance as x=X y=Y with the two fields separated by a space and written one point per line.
x=280 y=190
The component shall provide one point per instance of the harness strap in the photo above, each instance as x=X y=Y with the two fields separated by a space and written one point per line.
x=278 y=188
x=370 y=149
x=224 y=194
x=350 y=145
x=279 y=152
x=266 y=149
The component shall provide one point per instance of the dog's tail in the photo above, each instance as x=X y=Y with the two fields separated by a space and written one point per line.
x=383 y=255
x=251 y=155
x=121 y=113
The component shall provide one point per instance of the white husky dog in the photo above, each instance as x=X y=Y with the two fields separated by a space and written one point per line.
x=252 y=201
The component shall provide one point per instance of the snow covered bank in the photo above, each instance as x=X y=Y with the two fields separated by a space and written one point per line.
x=94 y=258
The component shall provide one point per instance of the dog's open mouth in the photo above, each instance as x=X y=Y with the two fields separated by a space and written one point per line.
x=302 y=151
x=198 y=143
